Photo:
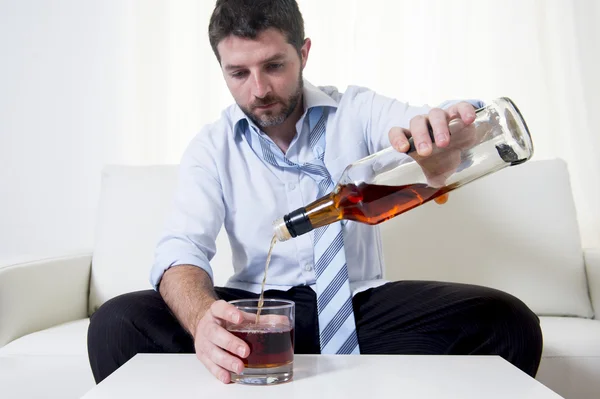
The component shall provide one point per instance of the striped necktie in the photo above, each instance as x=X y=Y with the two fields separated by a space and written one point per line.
x=337 y=327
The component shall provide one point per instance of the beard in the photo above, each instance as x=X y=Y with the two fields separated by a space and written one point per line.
x=273 y=118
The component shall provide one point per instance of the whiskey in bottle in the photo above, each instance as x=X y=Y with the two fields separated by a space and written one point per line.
x=389 y=183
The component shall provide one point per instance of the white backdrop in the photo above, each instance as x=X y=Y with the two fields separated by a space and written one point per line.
x=85 y=83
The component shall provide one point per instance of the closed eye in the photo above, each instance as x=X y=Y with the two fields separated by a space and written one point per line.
x=274 y=66
x=239 y=74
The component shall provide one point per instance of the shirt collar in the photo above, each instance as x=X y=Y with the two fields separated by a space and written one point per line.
x=312 y=97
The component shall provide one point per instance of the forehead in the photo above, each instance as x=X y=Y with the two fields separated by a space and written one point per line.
x=235 y=50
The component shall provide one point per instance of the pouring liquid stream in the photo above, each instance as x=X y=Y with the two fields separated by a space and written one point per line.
x=262 y=289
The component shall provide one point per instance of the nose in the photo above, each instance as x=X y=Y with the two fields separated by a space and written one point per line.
x=261 y=85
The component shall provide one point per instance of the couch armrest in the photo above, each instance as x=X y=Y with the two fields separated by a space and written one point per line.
x=41 y=294
x=592 y=267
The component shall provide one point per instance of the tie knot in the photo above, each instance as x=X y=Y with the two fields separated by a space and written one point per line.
x=268 y=151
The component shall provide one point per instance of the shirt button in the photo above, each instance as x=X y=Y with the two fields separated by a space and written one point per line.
x=308 y=267
x=291 y=186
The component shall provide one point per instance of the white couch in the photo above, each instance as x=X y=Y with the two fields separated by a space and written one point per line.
x=515 y=230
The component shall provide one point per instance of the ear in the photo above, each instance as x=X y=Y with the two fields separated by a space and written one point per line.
x=304 y=51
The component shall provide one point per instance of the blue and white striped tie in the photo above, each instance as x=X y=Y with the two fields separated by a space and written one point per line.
x=337 y=327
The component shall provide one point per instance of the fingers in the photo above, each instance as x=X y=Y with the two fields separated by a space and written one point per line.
x=219 y=336
x=271 y=319
x=419 y=129
x=275 y=320
x=216 y=360
x=226 y=340
x=464 y=111
x=226 y=311
x=215 y=345
x=439 y=124
x=212 y=355
x=247 y=317
x=399 y=139
x=219 y=372
x=437 y=170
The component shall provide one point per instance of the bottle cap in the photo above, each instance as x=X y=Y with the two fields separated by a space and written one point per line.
x=280 y=230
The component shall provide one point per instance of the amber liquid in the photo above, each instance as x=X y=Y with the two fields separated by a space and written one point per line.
x=270 y=345
x=371 y=203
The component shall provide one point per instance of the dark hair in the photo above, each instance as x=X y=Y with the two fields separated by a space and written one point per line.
x=247 y=18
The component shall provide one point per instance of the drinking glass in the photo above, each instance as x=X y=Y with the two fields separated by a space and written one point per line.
x=270 y=336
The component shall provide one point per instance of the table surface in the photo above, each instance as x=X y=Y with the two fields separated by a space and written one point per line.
x=27 y=376
x=182 y=376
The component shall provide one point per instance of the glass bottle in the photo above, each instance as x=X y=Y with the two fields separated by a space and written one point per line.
x=388 y=183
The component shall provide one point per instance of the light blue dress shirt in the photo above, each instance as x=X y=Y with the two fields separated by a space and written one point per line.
x=222 y=183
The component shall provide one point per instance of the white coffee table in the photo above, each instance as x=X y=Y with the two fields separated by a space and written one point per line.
x=329 y=376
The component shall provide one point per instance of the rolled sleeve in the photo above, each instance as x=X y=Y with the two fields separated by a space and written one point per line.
x=173 y=250
x=380 y=113
x=195 y=217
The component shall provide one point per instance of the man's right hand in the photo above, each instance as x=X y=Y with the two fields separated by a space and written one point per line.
x=215 y=345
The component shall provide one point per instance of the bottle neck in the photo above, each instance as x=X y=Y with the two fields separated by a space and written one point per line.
x=298 y=222
x=292 y=225
x=319 y=213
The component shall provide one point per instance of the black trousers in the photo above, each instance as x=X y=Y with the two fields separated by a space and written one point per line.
x=404 y=317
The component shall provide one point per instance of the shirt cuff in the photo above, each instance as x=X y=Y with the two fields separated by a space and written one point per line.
x=159 y=268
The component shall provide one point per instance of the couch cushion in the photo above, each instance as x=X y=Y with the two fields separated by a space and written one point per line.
x=571 y=337
x=571 y=356
x=515 y=230
x=51 y=363
x=67 y=339
x=134 y=201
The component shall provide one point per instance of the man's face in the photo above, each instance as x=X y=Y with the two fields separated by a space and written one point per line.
x=264 y=75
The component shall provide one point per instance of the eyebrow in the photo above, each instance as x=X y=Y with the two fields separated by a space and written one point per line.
x=276 y=57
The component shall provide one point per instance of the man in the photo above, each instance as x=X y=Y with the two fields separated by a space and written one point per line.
x=249 y=168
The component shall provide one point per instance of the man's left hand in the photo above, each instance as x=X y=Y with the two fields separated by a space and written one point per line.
x=438 y=119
